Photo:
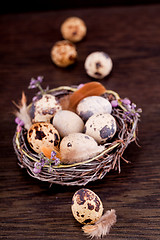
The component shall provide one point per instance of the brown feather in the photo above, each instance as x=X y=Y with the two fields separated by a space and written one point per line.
x=89 y=89
x=102 y=226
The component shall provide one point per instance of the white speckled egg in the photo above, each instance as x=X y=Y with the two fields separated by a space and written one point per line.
x=42 y=134
x=77 y=147
x=101 y=127
x=86 y=206
x=93 y=105
x=67 y=122
x=45 y=108
x=98 y=65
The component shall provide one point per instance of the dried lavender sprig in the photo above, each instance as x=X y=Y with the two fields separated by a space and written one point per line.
x=36 y=83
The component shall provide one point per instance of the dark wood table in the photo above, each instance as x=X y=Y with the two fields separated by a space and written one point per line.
x=29 y=209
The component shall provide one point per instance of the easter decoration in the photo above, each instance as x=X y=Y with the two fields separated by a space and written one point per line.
x=87 y=209
x=71 y=135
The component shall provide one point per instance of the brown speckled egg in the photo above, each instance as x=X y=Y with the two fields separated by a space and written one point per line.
x=73 y=29
x=86 y=206
x=63 y=53
x=45 y=108
x=98 y=65
x=42 y=134
x=101 y=127
x=77 y=147
x=93 y=105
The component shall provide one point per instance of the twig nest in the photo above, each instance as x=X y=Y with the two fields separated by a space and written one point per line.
x=67 y=122
x=42 y=134
x=93 y=105
x=73 y=29
x=98 y=65
x=45 y=108
x=63 y=53
x=101 y=127
x=86 y=207
x=77 y=147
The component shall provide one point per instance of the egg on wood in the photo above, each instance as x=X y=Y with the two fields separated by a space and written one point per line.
x=101 y=127
x=45 y=108
x=86 y=206
x=67 y=122
x=64 y=53
x=42 y=134
x=98 y=65
x=73 y=29
x=93 y=105
x=77 y=147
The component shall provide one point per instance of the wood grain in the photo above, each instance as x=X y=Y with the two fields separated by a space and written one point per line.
x=29 y=209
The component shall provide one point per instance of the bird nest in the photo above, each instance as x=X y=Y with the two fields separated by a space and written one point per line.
x=92 y=169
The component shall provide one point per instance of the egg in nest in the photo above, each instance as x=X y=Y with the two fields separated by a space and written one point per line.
x=42 y=134
x=77 y=147
x=101 y=127
x=91 y=105
x=45 y=108
x=86 y=206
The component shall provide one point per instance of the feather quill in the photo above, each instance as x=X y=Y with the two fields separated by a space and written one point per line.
x=23 y=114
x=102 y=226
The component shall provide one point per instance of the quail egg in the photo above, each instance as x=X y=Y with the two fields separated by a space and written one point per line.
x=67 y=122
x=101 y=127
x=87 y=207
x=45 y=108
x=98 y=65
x=77 y=147
x=63 y=53
x=93 y=105
x=73 y=29
x=42 y=134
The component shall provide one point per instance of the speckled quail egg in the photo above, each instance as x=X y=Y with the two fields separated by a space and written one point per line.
x=42 y=134
x=98 y=65
x=45 y=108
x=86 y=206
x=73 y=29
x=101 y=127
x=63 y=53
x=92 y=105
x=77 y=147
x=67 y=122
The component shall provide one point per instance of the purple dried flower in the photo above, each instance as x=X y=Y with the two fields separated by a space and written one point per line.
x=80 y=86
x=19 y=122
x=139 y=110
x=40 y=79
x=53 y=154
x=19 y=128
x=133 y=106
x=37 y=167
x=114 y=103
x=34 y=83
x=35 y=98
x=126 y=101
x=57 y=161
x=36 y=170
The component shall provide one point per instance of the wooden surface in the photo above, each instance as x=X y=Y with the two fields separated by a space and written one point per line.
x=29 y=209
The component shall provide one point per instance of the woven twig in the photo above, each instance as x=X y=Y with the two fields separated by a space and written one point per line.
x=90 y=169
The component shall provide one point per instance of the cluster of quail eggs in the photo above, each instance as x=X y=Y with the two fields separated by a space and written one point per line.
x=97 y=64
x=78 y=135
